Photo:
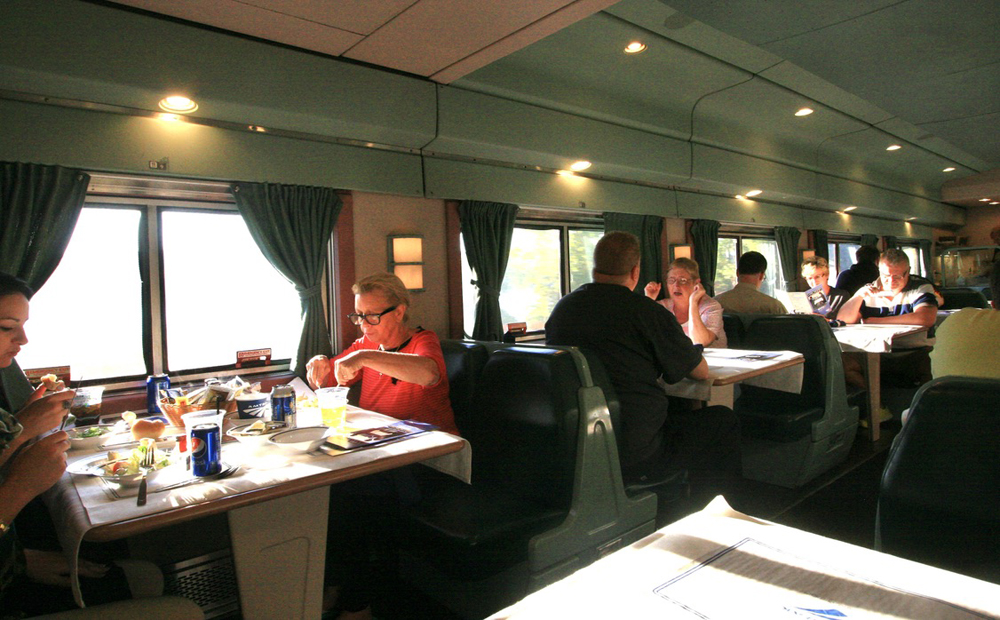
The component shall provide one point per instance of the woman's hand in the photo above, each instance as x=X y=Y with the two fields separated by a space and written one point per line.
x=652 y=290
x=317 y=370
x=52 y=568
x=44 y=412
x=347 y=367
x=40 y=465
x=696 y=294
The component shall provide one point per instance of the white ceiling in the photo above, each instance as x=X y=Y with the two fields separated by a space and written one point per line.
x=933 y=64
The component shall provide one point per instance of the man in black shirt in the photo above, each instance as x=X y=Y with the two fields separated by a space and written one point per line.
x=863 y=272
x=638 y=341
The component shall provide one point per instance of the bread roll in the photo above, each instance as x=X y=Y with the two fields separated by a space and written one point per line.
x=148 y=428
x=52 y=383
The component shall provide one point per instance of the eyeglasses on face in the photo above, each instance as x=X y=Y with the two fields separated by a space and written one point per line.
x=894 y=278
x=372 y=318
x=681 y=281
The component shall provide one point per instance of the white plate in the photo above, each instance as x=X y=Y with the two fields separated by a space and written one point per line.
x=92 y=467
x=304 y=439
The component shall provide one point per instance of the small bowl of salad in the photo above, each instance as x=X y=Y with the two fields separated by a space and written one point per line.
x=87 y=437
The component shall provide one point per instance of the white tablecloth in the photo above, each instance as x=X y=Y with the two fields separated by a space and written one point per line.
x=268 y=467
x=723 y=363
x=880 y=338
x=721 y=564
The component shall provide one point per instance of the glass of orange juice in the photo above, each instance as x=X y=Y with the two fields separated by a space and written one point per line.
x=333 y=406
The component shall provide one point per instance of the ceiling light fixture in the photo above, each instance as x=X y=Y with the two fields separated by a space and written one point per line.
x=910 y=219
x=949 y=169
x=168 y=117
x=580 y=165
x=566 y=173
x=257 y=128
x=804 y=112
x=984 y=200
x=635 y=47
x=754 y=192
x=178 y=104
x=893 y=147
x=849 y=209
x=995 y=203
x=740 y=197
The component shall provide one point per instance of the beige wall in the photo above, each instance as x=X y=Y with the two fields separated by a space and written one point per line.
x=979 y=222
x=378 y=215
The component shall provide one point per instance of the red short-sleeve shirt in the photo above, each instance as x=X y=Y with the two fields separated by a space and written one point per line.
x=399 y=399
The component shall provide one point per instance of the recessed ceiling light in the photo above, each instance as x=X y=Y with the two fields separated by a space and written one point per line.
x=995 y=203
x=949 y=169
x=984 y=200
x=804 y=112
x=257 y=128
x=580 y=165
x=849 y=208
x=893 y=147
x=740 y=197
x=910 y=219
x=178 y=104
x=635 y=47
x=754 y=192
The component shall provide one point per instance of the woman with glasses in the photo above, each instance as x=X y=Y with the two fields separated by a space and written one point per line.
x=402 y=374
x=684 y=292
x=401 y=368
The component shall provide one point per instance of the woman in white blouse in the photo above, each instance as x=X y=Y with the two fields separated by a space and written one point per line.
x=684 y=291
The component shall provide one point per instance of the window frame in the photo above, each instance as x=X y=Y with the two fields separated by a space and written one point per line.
x=739 y=233
x=836 y=240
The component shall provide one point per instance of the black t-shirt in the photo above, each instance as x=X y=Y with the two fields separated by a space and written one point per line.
x=637 y=340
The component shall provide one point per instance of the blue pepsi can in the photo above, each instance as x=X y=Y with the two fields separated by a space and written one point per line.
x=155 y=383
x=283 y=405
x=206 y=449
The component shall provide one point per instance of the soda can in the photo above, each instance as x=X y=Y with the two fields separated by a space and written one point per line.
x=283 y=405
x=206 y=449
x=155 y=383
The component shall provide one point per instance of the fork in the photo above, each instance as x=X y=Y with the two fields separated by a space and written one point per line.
x=146 y=464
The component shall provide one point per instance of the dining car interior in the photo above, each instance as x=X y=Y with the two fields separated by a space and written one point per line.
x=196 y=192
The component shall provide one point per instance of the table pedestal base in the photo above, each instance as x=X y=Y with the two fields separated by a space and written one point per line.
x=279 y=549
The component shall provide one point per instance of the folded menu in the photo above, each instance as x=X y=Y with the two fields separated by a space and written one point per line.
x=371 y=437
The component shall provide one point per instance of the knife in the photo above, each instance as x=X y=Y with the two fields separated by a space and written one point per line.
x=141 y=501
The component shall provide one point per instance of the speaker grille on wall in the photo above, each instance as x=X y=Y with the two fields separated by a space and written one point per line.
x=208 y=580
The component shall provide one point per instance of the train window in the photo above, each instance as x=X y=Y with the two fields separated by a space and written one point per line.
x=731 y=247
x=224 y=296
x=913 y=253
x=219 y=295
x=89 y=313
x=841 y=255
x=547 y=261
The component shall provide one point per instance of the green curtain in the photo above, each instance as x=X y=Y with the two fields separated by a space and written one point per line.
x=925 y=256
x=292 y=225
x=869 y=239
x=821 y=240
x=39 y=206
x=788 y=250
x=891 y=242
x=649 y=230
x=706 y=251
x=487 y=229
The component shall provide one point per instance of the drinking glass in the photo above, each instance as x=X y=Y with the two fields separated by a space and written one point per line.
x=333 y=406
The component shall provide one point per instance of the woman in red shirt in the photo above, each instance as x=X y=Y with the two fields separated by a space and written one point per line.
x=401 y=369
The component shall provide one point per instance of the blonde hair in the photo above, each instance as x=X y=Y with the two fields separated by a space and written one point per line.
x=818 y=263
x=388 y=285
x=687 y=264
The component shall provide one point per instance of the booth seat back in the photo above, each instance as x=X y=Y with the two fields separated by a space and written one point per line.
x=735 y=329
x=959 y=297
x=939 y=499
x=464 y=361
x=523 y=430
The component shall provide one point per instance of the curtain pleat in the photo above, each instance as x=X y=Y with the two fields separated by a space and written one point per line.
x=788 y=249
x=487 y=230
x=649 y=230
x=891 y=242
x=706 y=251
x=869 y=239
x=292 y=225
x=39 y=207
x=821 y=241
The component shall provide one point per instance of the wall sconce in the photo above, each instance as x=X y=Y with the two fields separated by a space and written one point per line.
x=681 y=251
x=406 y=260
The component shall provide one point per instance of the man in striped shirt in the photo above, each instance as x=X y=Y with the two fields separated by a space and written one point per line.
x=894 y=297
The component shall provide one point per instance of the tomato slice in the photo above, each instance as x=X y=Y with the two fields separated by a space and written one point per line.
x=119 y=467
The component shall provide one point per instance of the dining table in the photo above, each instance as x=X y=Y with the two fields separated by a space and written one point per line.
x=719 y=563
x=779 y=370
x=276 y=504
x=873 y=341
